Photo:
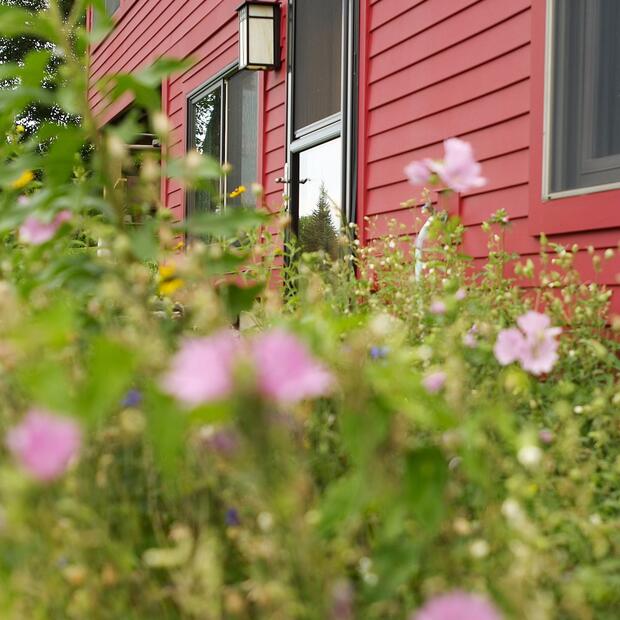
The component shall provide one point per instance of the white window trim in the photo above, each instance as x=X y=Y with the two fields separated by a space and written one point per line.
x=547 y=194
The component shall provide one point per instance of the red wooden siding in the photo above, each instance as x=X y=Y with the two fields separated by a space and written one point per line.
x=429 y=70
x=435 y=69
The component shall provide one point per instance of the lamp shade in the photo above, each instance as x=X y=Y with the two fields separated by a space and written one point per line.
x=259 y=32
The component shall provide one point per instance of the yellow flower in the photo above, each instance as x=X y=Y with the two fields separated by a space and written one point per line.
x=238 y=191
x=167 y=271
x=169 y=283
x=23 y=180
x=20 y=129
x=169 y=287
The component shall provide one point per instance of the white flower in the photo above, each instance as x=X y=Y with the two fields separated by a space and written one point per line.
x=529 y=456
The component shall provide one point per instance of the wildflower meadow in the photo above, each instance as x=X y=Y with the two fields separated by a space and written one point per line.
x=199 y=420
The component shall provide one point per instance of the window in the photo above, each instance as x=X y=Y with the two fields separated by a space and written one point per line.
x=584 y=110
x=111 y=6
x=223 y=123
x=320 y=121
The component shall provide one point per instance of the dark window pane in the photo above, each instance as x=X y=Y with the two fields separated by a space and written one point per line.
x=205 y=137
x=318 y=60
x=242 y=141
x=585 y=113
x=607 y=109
x=320 y=196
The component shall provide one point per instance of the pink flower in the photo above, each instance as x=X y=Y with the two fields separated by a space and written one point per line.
x=35 y=231
x=286 y=371
x=457 y=606
x=438 y=307
x=434 y=382
x=534 y=345
x=460 y=295
x=540 y=352
x=44 y=444
x=509 y=346
x=458 y=170
x=418 y=173
x=202 y=370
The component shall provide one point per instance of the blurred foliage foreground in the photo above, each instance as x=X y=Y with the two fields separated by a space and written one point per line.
x=366 y=446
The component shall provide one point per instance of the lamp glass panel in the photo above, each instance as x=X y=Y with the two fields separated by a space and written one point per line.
x=261 y=10
x=243 y=37
x=261 y=50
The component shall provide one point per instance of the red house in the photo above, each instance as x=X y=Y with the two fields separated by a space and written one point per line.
x=362 y=87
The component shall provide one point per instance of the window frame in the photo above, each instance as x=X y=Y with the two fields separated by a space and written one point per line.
x=219 y=80
x=581 y=209
x=343 y=124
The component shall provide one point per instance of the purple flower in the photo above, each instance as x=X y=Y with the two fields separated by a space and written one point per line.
x=534 y=345
x=286 y=371
x=132 y=399
x=35 y=231
x=379 y=353
x=438 y=307
x=44 y=444
x=459 y=170
x=232 y=518
x=418 y=173
x=223 y=440
x=460 y=295
x=434 y=382
x=202 y=370
x=457 y=606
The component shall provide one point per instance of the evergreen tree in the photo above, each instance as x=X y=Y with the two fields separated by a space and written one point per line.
x=317 y=231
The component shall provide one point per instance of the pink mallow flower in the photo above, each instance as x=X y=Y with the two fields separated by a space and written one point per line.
x=434 y=382
x=36 y=231
x=459 y=170
x=286 y=371
x=533 y=345
x=418 y=173
x=44 y=444
x=457 y=606
x=202 y=370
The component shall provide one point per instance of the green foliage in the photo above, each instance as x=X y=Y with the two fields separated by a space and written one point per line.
x=385 y=494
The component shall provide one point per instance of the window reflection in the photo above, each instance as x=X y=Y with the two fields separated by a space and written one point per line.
x=320 y=196
x=206 y=139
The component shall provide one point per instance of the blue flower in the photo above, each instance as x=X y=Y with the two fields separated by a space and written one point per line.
x=132 y=399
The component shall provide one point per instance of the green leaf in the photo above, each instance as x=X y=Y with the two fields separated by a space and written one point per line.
x=238 y=299
x=167 y=430
x=426 y=475
x=224 y=225
x=110 y=369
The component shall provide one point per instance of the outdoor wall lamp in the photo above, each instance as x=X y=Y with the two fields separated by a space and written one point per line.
x=259 y=35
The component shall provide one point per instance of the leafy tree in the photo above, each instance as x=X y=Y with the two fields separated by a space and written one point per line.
x=317 y=231
x=15 y=49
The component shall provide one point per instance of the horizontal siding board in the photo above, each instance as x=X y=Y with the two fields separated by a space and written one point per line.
x=454 y=60
x=482 y=16
x=412 y=22
x=483 y=112
x=482 y=80
x=506 y=137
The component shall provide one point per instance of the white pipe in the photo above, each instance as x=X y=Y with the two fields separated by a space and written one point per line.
x=419 y=246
